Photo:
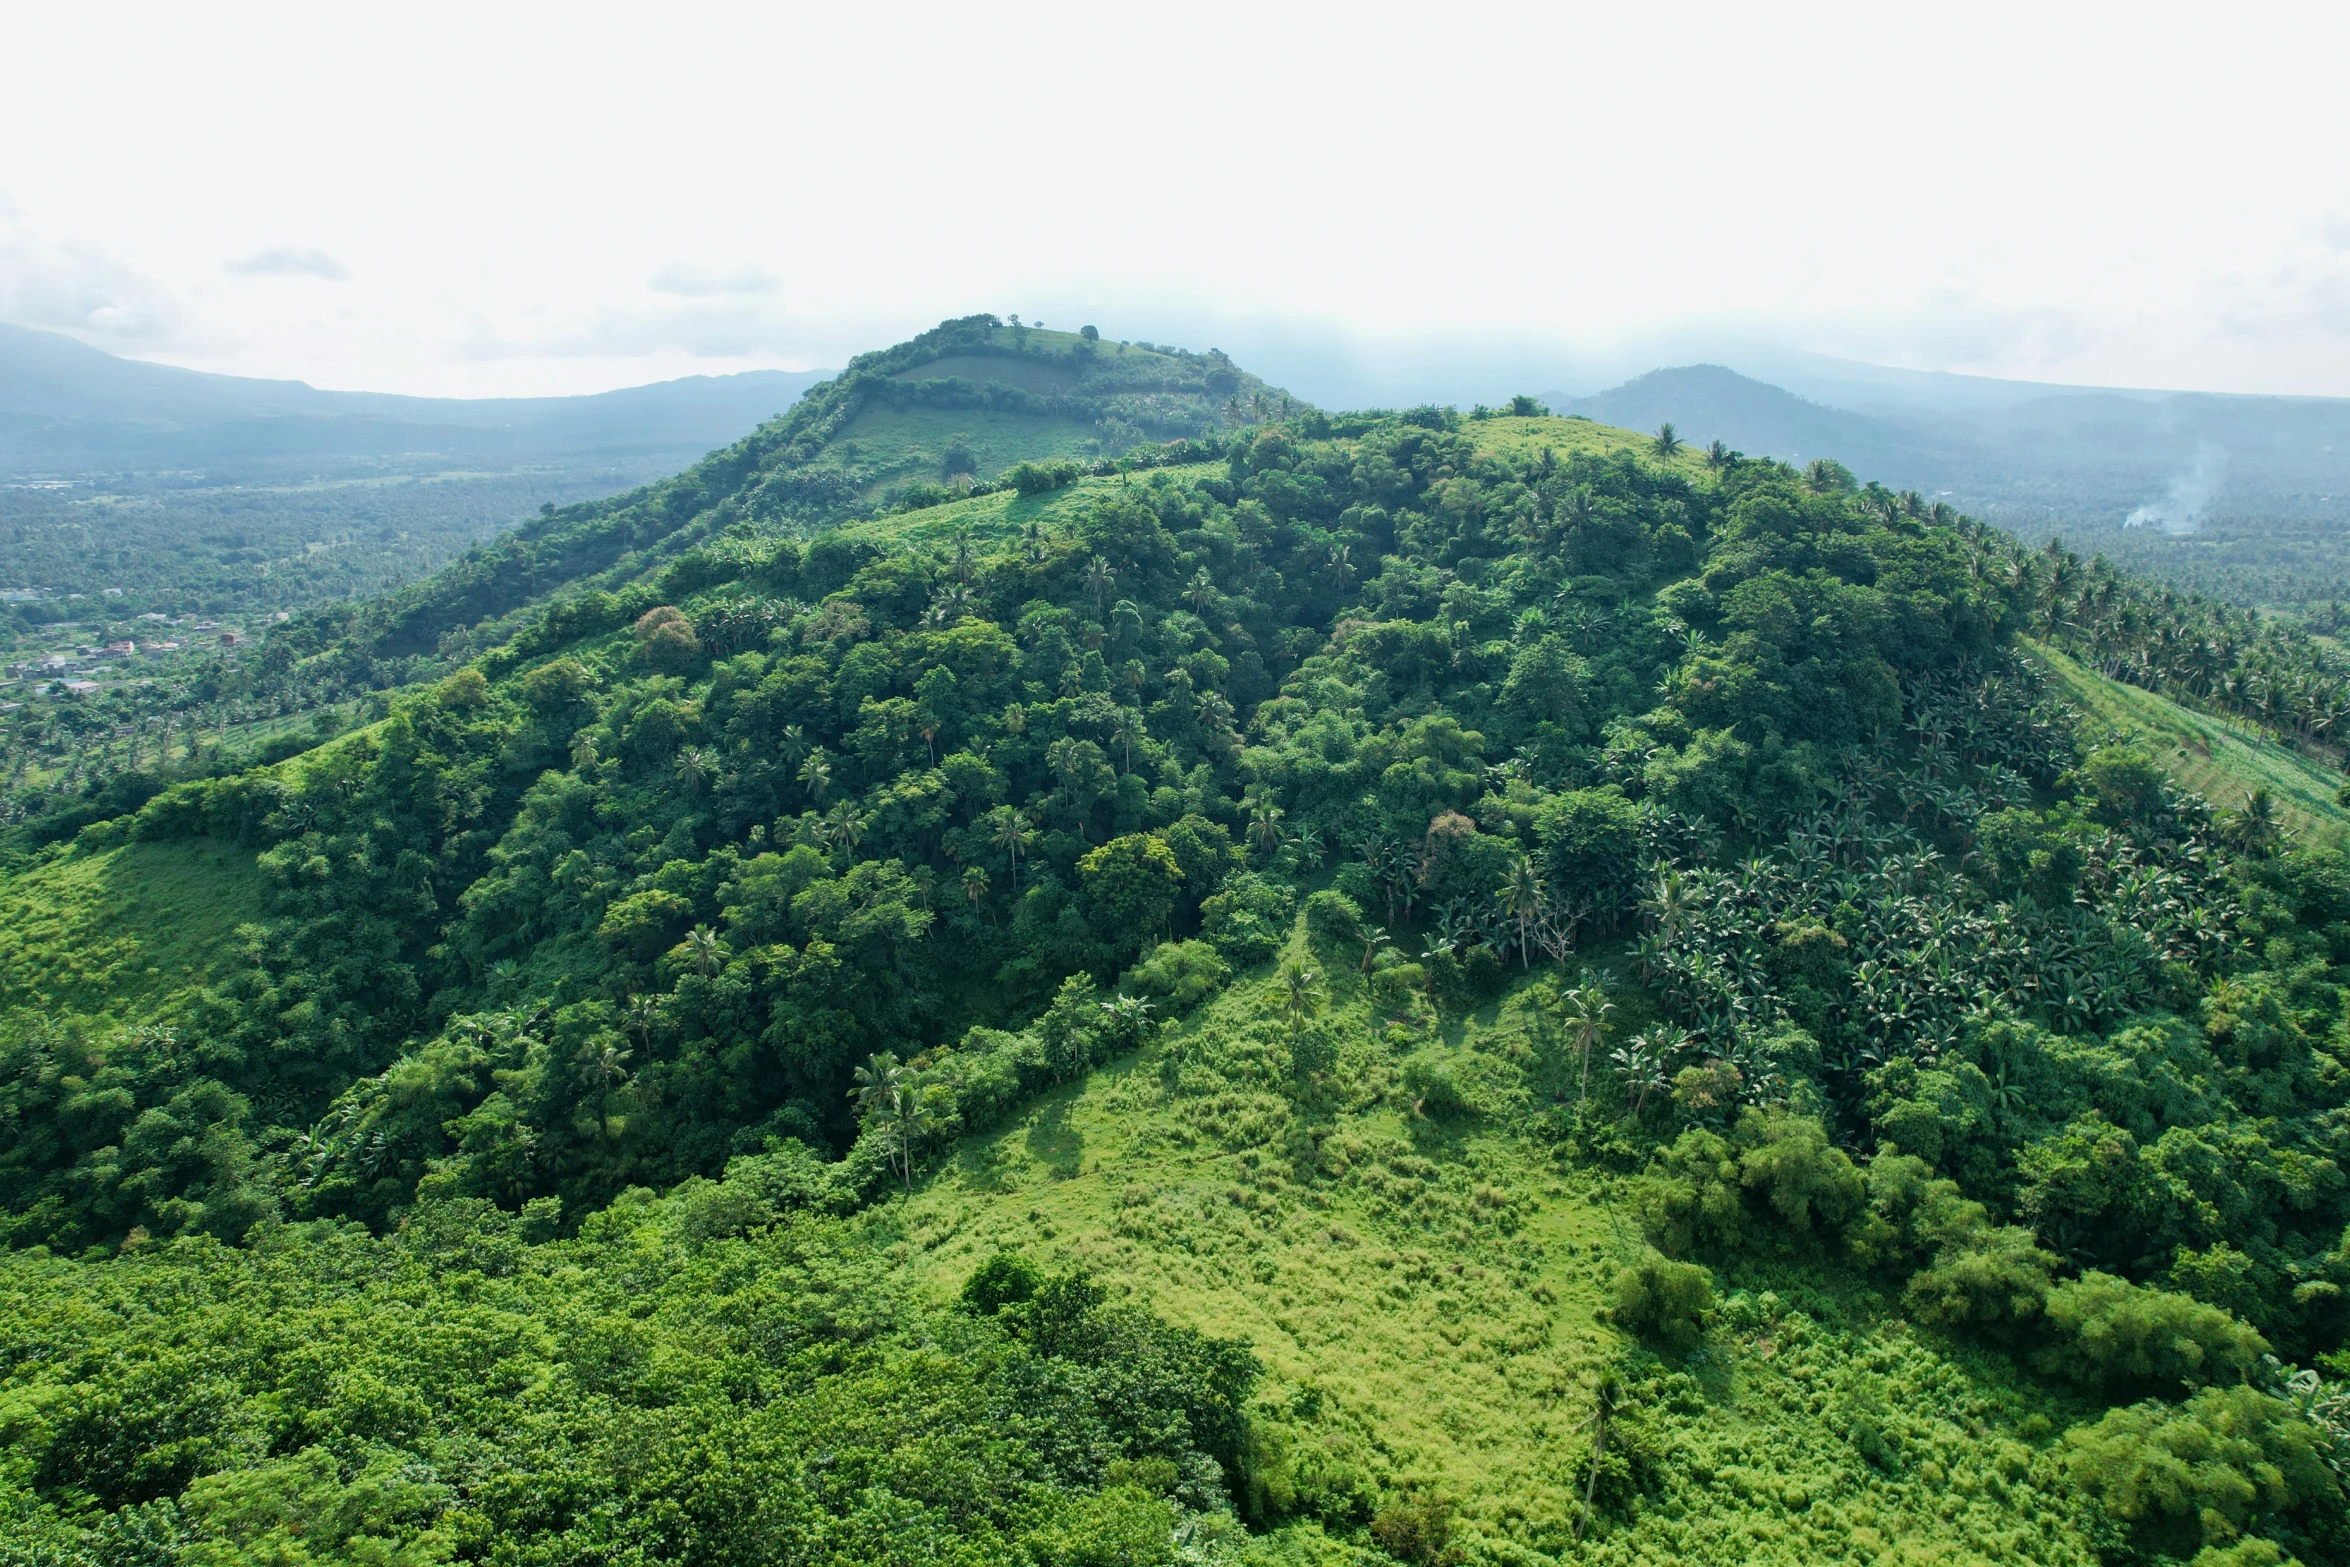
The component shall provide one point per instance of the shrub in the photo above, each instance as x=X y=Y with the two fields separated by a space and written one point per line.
x=1416 y=1529
x=1333 y=916
x=1182 y=973
x=665 y=640
x=1707 y=1190
x=1996 y=1284
x=1005 y=1279
x=1041 y=478
x=1247 y=918
x=1664 y=1302
x=1434 y=1091
x=2107 y=1332
x=2195 y=1476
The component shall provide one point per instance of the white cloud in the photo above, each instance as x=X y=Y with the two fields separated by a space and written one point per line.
x=690 y=282
x=2002 y=188
x=77 y=287
x=289 y=261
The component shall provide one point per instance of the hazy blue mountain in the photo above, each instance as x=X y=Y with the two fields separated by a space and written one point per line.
x=67 y=408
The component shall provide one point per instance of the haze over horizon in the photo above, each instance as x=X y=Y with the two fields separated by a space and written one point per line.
x=532 y=202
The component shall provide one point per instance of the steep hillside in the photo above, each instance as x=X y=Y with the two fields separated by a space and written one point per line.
x=888 y=432
x=2221 y=760
x=1349 y=989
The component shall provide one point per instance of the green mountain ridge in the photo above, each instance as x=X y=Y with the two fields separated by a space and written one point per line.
x=1309 y=988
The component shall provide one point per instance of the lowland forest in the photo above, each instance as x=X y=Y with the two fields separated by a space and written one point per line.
x=1059 y=958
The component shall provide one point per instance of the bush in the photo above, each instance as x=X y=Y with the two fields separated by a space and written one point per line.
x=1333 y=916
x=2176 y=1479
x=1182 y=973
x=1041 y=478
x=2108 y=1332
x=1711 y=1191
x=1005 y=1279
x=1996 y=1285
x=1248 y=918
x=1434 y=1091
x=1664 y=1302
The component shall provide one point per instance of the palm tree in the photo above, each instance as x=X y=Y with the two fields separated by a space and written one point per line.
x=704 y=950
x=583 y=753
x=2252 y=828
x=1264 y=825
x=1665 y=442
x=1717 y=456
x=1587 y=1013
x=1300 y=993
x=693 y=770
x=1128 y=731
x=1521 y=900
x=1201 y=595
x=891 y=1094
x=1666 y=902
x=605 y=1064
x=974 y=884
x=846 y=823
x=816 y=775
x=1012 y=835
x=643 y=1012
x=1100 y=577
x=1374 y=938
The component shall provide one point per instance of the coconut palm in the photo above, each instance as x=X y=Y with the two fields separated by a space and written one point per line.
x=1666 y=441
x=1521 y=901
x=1264 y=825
x=1587 y=1012
x=845 y=823
x=891 y=1095
x=1300 y=991
x=1100 y=577
x=704 y=950
x=1012 y=834
x=604 y=1064
x=815 y=775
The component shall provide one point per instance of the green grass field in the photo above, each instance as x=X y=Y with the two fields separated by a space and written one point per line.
x=2217 y=758
x=1427 y=1294
x=1524 y=438
x=128 y=934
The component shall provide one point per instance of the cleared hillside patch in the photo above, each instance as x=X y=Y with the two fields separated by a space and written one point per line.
x=1427 y=1293
x=2217 y=758
x=131 y=933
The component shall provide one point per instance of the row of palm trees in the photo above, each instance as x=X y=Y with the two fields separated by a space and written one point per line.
x=2183 y=645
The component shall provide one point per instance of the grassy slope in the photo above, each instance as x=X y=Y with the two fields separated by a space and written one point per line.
x=910 y=443
x=2215 y=757
x=1425 y=1296
x=1003 y=514
x=129 y=934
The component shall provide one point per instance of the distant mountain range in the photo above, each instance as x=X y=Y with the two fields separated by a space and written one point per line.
x=67 y=409
x=2037 y=458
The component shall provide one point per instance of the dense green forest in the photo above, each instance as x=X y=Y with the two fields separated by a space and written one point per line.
x=1386 y=987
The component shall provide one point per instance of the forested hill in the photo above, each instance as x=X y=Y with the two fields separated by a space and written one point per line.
x=968 y=405
x=1355 y=989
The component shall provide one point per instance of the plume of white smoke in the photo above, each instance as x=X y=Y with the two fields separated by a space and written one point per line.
x=2186 y=498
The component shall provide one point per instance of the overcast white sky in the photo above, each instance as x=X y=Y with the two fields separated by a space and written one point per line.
x=475 y=200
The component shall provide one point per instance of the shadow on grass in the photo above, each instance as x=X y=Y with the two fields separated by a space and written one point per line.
x=1054 y=1143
